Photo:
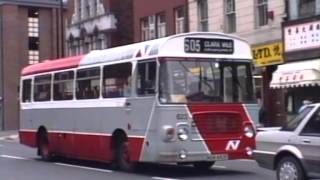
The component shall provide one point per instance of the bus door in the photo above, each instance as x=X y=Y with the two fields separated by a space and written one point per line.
x=140 y=109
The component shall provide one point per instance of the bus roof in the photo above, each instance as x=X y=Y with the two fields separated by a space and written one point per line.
x=171 y=46
x=52 y=65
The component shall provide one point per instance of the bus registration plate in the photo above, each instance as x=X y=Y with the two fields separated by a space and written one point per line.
x=219 y=157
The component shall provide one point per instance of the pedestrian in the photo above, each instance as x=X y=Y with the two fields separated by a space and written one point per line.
x=262 y=116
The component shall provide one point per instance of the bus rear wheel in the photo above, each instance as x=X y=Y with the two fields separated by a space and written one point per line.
x=122 y=157
x=203 y=165
x=43 y=147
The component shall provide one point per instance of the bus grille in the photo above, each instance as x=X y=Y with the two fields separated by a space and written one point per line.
x=217 y=123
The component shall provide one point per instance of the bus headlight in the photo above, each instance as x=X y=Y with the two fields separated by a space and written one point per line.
x=249 y=131
x=169 y=133
x=183 y=133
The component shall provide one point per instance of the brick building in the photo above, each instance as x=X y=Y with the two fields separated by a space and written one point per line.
x=155 y=19
x=98 y=24
x=29 y=31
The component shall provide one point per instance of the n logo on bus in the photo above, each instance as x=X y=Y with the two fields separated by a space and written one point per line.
x=233 y=145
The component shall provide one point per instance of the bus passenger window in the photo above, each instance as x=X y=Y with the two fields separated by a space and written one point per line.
x=117 y=80
x=42 y=88
x=146 y=78
x=26 y=90
x=63 y=86
x=88 y=83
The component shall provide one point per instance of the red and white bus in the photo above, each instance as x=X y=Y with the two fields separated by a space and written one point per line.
x=185 y=99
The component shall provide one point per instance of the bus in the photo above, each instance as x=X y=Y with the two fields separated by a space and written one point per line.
x=184 y=99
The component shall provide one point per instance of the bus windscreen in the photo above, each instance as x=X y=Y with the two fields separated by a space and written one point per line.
x=205 y=80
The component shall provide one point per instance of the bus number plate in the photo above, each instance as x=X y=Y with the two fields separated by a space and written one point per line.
x=219 y=157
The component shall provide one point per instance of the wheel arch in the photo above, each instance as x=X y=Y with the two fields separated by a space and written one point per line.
x=288 y=151
x=118 y=135
x=41 y=130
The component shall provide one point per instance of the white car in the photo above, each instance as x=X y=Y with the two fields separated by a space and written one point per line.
x=294 y=149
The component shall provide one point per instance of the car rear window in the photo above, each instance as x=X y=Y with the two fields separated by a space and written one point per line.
x=292 y=124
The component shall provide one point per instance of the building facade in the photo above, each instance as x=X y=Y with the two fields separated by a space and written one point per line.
x=299 y=77
x=259 y=22
x=98 y=24
x=155 y=19
x=29 y=31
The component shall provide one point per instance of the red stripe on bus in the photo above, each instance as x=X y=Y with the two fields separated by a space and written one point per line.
x=52 y=65
x=28 y=138
x=95 y=146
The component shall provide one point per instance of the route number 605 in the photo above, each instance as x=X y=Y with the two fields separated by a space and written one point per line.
x=192 y=45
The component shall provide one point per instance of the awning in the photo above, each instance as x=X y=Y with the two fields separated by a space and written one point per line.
x=297 y=74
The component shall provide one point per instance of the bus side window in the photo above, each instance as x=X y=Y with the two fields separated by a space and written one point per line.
x=146 y=78
x=26 y=90
x=117 y=80
x=63 y=86
x=42 y=88
x=88 y=81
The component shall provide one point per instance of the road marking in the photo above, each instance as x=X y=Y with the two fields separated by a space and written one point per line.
x=221 y=167
x=246 y=160
x=83 y=167
x=162 y=178
x=11 y=137
x=13 y=157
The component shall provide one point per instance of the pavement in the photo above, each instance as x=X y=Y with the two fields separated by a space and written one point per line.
x=9 y=135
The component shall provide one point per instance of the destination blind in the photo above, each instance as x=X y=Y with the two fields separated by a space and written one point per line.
x=211 y=46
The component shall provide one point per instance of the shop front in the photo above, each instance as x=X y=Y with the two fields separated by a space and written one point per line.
x=299 y=77
x=267 y=57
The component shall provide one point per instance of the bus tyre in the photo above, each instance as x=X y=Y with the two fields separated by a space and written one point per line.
x=123 y=157
x=43 y=148
x=290 y=168
x=203 y=165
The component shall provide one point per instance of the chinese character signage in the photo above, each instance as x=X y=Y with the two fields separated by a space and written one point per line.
x=301 y=39
x=302 y=36
x=268 y=54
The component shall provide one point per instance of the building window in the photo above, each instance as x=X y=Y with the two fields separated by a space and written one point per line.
x=144 y=29
x=180 y=20
x=262 y=12
x=307 y=8
x=33 y=26
x=33 y=56
x=148 y=28
x=95 y=8
x=78 y=10
x=203 y=15
x=87 y=9
x=230 y=15
x=33 y=34
x=161 y=25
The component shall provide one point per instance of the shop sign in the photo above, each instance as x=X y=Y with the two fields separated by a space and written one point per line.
x=269 y=54
x=302 y=36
